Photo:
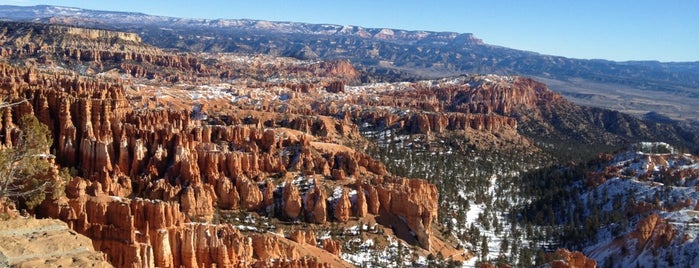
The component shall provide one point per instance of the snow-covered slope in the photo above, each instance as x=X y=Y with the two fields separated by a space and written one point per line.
x=654 y=191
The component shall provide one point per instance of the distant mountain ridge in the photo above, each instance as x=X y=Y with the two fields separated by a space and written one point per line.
x=92 y=18
x=635 y=87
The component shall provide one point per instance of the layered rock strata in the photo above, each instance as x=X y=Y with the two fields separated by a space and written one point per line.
x=154 y=233
x=148 y=165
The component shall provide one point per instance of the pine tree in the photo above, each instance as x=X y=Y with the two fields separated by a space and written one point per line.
x=484 y=248
x=24 y=166
x=525 y=257
x=504 y=245
x=670 y=259
x=399 y=256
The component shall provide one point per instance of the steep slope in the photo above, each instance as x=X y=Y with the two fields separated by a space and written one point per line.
x=657 y=189
x=636 y=208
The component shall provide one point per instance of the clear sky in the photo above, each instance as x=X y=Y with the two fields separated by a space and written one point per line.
x=665 y=30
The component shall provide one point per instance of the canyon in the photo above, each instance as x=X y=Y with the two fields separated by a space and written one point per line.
x=642 y=88
x=181 y=159
x=149 y=181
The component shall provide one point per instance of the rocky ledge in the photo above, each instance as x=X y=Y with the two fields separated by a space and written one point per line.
x=45 y=243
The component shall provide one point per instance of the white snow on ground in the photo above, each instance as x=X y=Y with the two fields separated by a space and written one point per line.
x=471 y=217
x=494 y=240
x=683 y=250
x=365 y=254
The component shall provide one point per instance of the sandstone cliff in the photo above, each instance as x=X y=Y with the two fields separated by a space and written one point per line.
x=153 y=233
x=185 y=169
x=653 y=232
x=563 y=258
x=173 y=139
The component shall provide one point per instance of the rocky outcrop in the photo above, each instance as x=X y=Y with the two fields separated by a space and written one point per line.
x=292 y=201
x=373 y=203
x=343 y=208
x=563 y=258
x=332 y=246
x=315 y=205
x=653 y=232
x=251 y=196
x=94 y=33
x=45 y=243
x=311 y=239
x=98 y=50
x=425 y=123
x=148 y=233
x=303 y=238
x=298 y=236
x=227 y=194
x=338 y=68
x=111 y=226
x=268 y=247
x=415 y=201
x=198 y=201
x=360 y=207
x=268 y=194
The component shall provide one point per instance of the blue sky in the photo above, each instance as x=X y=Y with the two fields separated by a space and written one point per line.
x=665 y=30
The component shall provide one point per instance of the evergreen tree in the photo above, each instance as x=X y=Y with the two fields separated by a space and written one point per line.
x=25 y=166
x=484 y=248
x=504 y=245
x=525 y=257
